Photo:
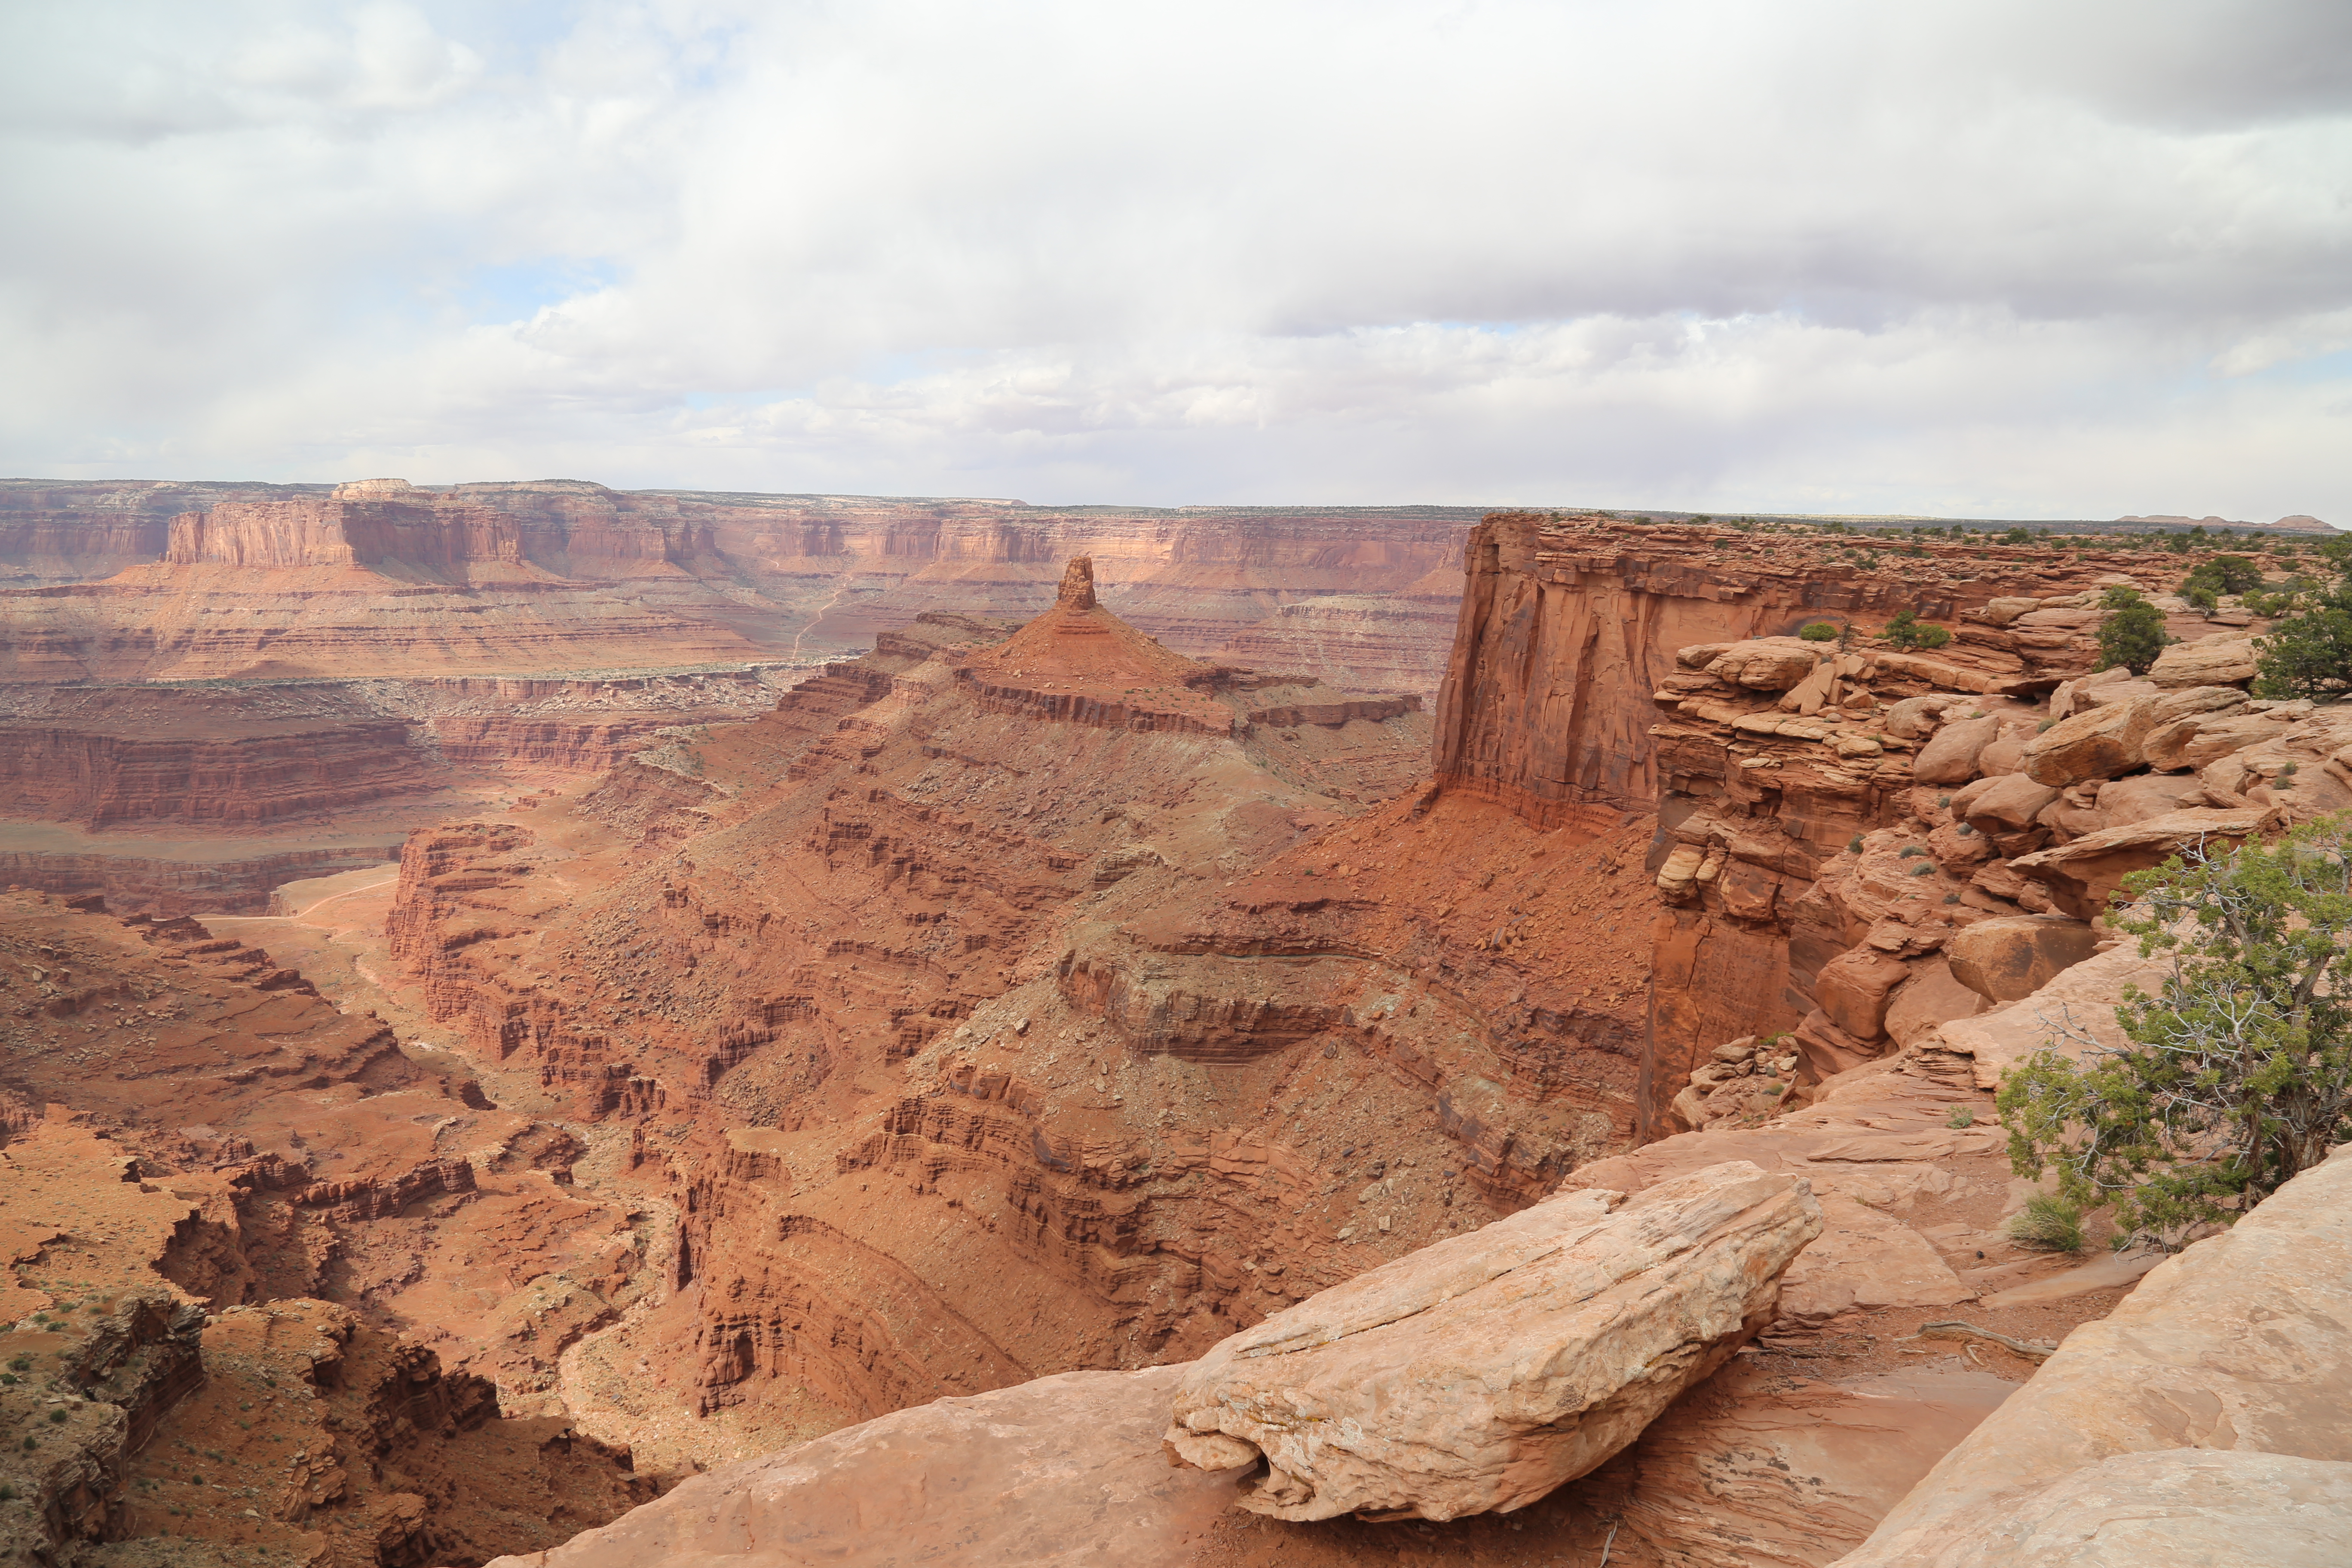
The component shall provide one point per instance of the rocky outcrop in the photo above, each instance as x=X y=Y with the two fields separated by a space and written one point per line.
x=2204 y=1409
x=204 y=771
x=1568 y=622
x=1063 y=1472
x=1481 y=1373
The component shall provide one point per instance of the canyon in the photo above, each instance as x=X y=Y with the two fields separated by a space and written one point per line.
x=209 y=689
x=772 y=1091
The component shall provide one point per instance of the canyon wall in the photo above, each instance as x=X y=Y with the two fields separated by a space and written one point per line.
x=1362 y=595
x=1582 y=688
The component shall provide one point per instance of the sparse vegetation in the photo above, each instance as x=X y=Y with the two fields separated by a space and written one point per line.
x=2132 y=632
x=1907 y=631
x=2309 y=654
x=1961 y=1116
x=2237 y=1073
x=1818 y=631
x=2049 y=1223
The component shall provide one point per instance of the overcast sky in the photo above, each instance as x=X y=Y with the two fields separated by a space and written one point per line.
x=2005 y=258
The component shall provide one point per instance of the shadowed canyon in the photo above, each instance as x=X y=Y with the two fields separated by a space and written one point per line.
x=557 y=1027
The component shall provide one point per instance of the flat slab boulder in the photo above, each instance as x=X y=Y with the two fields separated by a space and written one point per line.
x=2010 y=958
x=2101 y=744
x=1864 y=1260
x=2082 y=876
x=1477 y=1375
x=1768 y=664
x=2208 y=661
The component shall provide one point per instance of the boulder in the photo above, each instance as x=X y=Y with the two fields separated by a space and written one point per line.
x=2144 y=795
x=1065 y=1471
x=2208 y=661
x=2220 y=735
x=1768 y=664
x=1854 y=987
x=2006 y=959
x=1951 y=756
x=2113 y=694
x=1862 y=1261
x=2005 y=754
x=2007 y=804
x=1915 y=717
x=2083 y=876
x=2002 y=611
x=2099 y=744
x=1955 y=848
x=1930 y=998
x=2217 y=1387
x=1478 y=1374
x=2067 y=700
x=1824 y=1050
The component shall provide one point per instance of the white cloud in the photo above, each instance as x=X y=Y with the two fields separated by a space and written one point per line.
x=1987 y=258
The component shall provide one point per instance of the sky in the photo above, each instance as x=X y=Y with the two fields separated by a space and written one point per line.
x=1998 y=258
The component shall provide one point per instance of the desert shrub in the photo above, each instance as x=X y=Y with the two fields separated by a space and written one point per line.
x=1819 y=631
x=2224 y=575
x=2132 y=632
x=2237 y=1074
x=2309 y=654
x=1907 y=630
x=2050 y=1224
x=1853 y=845
x=1961 y=1116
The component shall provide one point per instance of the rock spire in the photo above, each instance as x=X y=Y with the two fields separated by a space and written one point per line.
x=1077 y=584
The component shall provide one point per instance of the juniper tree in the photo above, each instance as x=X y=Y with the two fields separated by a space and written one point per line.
x=2238 y=1071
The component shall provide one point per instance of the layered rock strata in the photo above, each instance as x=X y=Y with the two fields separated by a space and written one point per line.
x=1373 y=588
x=899 y=939
x=221 y=1148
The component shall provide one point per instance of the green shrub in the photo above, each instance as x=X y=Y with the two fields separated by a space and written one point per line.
x=1923 y=870
x=2309 y=654
x=1907 y=630
x=2049 y=1223
x=1961 y=1116
x=1818 y=631
x=2224 y=575
x=1909 y=852
x=2132 y=633
x=2237 y=1073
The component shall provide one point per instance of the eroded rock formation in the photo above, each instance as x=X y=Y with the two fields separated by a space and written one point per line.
x=1479 y=1373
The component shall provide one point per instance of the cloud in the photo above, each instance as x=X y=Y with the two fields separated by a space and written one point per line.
x=1998 y=257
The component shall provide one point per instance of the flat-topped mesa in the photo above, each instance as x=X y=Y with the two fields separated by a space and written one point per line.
x=1079 y=664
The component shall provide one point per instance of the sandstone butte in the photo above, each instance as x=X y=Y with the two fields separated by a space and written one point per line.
x=870 y=1122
